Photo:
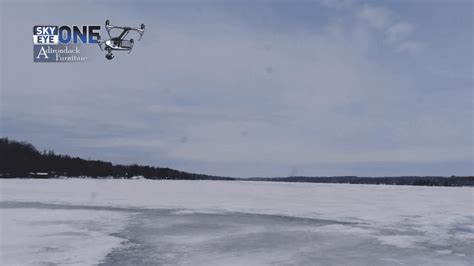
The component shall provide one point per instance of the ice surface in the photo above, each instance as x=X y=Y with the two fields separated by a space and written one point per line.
x=100 y=220
x=74 y=237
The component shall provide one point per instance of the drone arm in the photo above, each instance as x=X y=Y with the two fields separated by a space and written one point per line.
x=140 y=32
x=100 y=42
x=123 y=34
x=108 y=28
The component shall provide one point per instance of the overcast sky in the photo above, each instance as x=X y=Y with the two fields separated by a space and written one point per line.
x=252 y=88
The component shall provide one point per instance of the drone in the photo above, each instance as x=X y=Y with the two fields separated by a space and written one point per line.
x=119 y=43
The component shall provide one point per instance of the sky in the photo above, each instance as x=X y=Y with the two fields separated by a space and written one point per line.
x=252 y=88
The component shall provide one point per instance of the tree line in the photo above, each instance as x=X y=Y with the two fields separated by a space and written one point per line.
x=396 y=180
x=21 y=159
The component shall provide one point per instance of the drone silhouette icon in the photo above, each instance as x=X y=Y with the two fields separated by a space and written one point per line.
x=119 y=43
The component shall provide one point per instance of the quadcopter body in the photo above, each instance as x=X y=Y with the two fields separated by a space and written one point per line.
x=119 y=43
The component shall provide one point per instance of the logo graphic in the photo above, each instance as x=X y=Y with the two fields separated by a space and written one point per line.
x=119 y=43
x=62 y=43
x=71 y=43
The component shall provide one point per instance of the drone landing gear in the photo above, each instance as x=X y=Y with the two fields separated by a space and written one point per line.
x=109 y=54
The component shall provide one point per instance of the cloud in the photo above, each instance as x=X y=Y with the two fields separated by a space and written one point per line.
x=412 y=47
x=338 y=3
x=150 y=143
x=376 y=16
x=399 y=31
x=396 y=34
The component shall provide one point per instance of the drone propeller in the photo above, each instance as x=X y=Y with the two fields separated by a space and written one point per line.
x=109 y=27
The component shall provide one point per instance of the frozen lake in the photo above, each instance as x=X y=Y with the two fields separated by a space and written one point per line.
x=143 y=222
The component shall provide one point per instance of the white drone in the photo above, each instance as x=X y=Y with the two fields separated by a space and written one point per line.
x=119 y=43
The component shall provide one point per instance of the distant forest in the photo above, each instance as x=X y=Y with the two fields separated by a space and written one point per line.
x=23 y=160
